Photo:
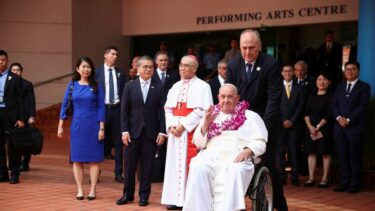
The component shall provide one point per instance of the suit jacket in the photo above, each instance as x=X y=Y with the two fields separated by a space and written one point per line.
x=292 y=109
x=121 y=79
x=263 y=90
x=135 y=114
x=353 y=107
x=13 y=98
x=330 y=61
x=309 y=83
x=29 y=99
x=215 y=86
x=171 y=78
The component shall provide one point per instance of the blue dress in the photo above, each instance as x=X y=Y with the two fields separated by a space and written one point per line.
x=88 y=111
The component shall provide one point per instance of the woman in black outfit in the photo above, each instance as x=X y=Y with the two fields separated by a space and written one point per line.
x=320 y=129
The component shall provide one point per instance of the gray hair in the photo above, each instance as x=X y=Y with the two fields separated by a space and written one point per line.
x=303 y=64
x=253 y=32
x=144 y=58
x=233 y=87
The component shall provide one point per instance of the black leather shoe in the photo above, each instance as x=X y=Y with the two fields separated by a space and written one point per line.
x=24 y=167
x=143 y=202
x=119 y=178
x=80 y=197
x=110 y=157
x=124 y=200
x=173 y=207
x=340 y=188
x=90 y=198
x=295 y=183
x=14 y=180
x=353 y=190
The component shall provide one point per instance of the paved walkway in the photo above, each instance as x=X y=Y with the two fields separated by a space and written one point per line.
x=49 y=185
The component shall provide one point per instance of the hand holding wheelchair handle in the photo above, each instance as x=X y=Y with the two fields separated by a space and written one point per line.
x=244 y=155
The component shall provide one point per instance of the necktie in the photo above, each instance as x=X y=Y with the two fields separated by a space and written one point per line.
x=328 y=47
x=162 y=78
x=248 y=71
x=347 y=92
x=111 y=87
x=287 y=90
x=144 y=90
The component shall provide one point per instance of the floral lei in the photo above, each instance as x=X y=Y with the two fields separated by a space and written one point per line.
x=233 y=123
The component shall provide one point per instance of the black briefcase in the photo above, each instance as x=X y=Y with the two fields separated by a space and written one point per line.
x=26 y=140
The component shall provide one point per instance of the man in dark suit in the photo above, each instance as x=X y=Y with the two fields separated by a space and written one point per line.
x=257 y=77
x=29 y=107
x=113 y=80
x=163 y=74
x=143 y=129
x=11 y=115
x=219 y=80
x=167 y=77
x=302 y=78
x=349 y=109
x=292 y=108
x=330 y=58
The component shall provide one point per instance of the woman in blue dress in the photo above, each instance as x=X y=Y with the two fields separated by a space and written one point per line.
x=87 y=125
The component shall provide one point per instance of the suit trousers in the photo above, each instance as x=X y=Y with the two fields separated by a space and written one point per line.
x=349 y=150
x=13 y=155
x=113 y=137
x=269 y=159
x=289 y=138
x=143 y=149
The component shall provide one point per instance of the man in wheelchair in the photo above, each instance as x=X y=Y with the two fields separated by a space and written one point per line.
x=230 y=137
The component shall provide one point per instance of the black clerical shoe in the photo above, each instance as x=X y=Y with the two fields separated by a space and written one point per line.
x=143 y=202
x=119 y=178
x=90 y=198
x=14 y=180
x=124 y=200
x=173 y=207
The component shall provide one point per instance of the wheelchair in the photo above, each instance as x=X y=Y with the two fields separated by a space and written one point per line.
x=260 y=190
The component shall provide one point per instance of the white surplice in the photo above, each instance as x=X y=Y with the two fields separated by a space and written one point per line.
x=199 y=98
x=215 y=182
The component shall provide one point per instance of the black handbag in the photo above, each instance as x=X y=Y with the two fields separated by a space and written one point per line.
x=69 y=107
x=26 y=140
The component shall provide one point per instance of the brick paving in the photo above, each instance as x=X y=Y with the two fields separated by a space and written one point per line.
x=49 y=185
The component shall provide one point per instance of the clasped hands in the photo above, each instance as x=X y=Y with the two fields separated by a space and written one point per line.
x=177 y=130
x=343 y=122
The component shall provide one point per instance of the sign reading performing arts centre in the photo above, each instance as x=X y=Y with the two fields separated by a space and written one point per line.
x=170 y=16
x=274 y=15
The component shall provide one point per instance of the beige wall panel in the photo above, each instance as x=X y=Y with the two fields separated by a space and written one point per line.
x=50 y=94
x=169 y=16
x=39 y=11
x=41 y=67
x=26 y=37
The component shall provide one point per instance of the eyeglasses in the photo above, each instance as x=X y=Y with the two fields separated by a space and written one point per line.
x=147 y=66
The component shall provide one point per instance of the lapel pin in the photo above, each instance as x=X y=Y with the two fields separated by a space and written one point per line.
x=258 y=69
x=9 y=78
x=152 y=87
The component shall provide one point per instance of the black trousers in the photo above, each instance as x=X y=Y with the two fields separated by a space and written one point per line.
x=113 y=136
x=349 y=150
x=142 y=149
x=269 y=159
x=13 y=155
x=288 y=139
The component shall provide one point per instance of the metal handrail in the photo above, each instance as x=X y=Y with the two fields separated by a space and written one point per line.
x=52 y=79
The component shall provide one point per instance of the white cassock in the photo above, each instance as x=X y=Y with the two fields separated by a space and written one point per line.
x=197 y=96
x=215 y=182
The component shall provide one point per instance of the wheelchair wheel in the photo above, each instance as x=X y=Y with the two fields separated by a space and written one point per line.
x=262 y=195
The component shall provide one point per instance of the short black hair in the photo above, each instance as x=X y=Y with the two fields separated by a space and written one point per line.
x=3 y=53
x=353 y=62
x=329 y=32
x=110 y=47
x=325 y=74
x=16 y=64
